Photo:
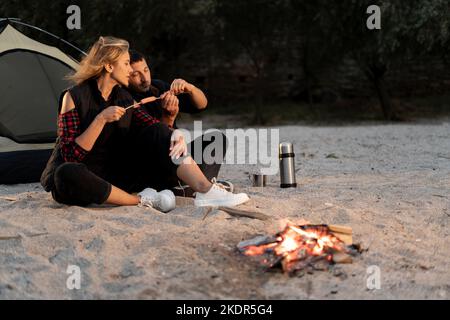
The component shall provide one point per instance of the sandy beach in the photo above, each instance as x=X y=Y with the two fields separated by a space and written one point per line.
x=390 y=183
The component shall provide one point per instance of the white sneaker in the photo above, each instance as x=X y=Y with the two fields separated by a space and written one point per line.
x=224 y=183
x=187 y=191
x=164 y=201
x=218 y=196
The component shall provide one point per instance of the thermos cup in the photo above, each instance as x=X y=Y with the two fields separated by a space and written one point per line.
x=287 y=165
x=258 y=180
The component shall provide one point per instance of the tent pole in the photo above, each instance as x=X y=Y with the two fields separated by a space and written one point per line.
x=16 y=20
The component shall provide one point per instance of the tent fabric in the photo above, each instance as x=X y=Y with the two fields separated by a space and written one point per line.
x=29 y=94
x=11 y=39
x=22 y=163
x=32 y=77
x=23 y=166
x=7 y=145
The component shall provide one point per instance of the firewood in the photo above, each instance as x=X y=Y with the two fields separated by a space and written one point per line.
x=346 y=238
x=256 y=241
x=340 y=229
x=341 y=257
x=342 y=232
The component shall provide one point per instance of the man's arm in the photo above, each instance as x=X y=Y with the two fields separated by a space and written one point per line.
x=196 y=95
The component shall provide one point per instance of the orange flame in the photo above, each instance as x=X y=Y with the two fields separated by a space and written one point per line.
x=298 y=243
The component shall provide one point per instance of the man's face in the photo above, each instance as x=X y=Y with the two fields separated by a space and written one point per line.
x=141 y=78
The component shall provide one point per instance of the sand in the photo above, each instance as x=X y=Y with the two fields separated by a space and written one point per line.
x=390 y=183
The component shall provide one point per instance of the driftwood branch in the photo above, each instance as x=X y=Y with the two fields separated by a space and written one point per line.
x=8 y=198
x=208 y=210
x=18 y=237
x=181 y=201
x=247 y=214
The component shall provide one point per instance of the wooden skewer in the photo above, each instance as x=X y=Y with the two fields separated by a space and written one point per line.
x=133 y=106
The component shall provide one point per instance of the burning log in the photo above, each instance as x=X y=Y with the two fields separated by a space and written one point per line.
x=302 y=248
x=257 y=241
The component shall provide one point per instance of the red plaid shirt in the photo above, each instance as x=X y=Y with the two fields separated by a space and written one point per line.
x=69 y=130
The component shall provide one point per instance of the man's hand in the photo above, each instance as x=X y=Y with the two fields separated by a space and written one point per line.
x=170 y=104
x=179 y=86
x=197 y=96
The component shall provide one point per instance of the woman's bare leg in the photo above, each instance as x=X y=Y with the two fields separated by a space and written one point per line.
x=122 y=198
x=190 y=173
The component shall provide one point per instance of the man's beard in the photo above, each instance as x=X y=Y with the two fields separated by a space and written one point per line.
x=144 y=86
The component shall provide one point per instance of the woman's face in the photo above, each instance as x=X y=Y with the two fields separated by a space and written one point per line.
x=121 y=70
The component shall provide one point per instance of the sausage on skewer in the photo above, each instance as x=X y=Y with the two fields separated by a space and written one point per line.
x=143 y=101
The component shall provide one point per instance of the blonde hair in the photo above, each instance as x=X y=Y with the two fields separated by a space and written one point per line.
x=106 y=50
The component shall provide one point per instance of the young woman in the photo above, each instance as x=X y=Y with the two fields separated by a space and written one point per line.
x=105 y=153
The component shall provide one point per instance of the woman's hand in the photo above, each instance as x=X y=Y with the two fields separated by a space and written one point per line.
x=87 y=139
x=111 y=114
x=178 y=145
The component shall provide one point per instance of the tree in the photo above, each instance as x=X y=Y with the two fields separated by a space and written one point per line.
x=253 y=31
x=409 y=28
x=309 y=40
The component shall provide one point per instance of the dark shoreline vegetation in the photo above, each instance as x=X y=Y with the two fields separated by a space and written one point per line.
x=345 y=111
x=259 y=51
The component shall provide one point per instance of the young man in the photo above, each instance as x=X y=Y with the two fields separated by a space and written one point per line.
x=179 y=96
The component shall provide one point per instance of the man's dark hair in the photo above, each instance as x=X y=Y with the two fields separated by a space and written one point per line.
x=136 y=56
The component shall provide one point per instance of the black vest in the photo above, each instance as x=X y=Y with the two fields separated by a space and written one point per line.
x=89 y=103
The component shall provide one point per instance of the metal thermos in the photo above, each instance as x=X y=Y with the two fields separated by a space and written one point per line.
x=287 y=165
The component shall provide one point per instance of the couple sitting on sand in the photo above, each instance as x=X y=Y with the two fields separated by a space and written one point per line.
x=106 y=153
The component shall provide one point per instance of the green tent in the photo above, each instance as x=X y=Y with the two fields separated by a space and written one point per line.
x=32 y=79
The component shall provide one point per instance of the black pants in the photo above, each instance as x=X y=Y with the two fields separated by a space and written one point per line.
x=212 y=145
x=142 y=161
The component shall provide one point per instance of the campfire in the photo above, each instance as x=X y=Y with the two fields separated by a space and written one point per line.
x=303 y=248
